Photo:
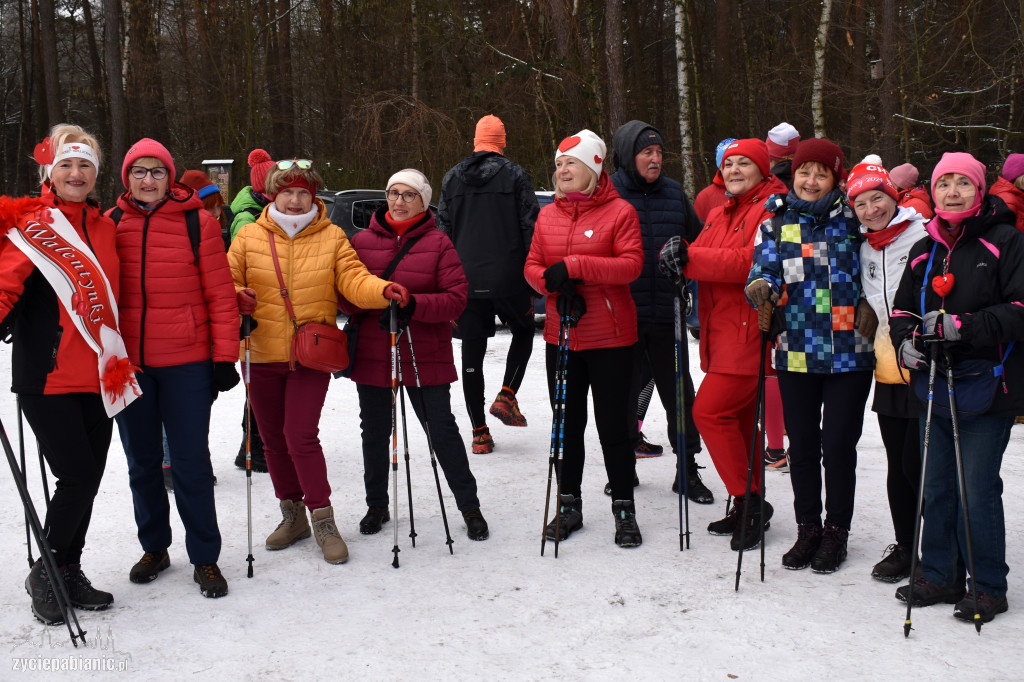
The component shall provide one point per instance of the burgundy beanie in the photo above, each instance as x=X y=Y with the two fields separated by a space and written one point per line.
x=904 y=176
x=200 y=182
x=143 y=148
x=755 y=150
x=1013 y=168
x=825 y=152
x=259 y=164
x=865 y=177
x=964 y=164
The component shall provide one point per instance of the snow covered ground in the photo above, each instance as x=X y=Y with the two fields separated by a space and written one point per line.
x=497 y=609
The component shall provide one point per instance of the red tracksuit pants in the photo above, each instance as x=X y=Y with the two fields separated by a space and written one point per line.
x=724 y=413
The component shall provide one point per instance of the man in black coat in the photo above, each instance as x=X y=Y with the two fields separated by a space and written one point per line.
x=664 y=211
x=488 y=208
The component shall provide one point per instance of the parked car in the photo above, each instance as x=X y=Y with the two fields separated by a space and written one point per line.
x=351 y=209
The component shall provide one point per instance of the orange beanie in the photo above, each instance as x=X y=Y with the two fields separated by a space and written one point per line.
x=490 y=135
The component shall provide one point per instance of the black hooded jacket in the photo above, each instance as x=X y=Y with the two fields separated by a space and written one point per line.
x=664 y=211
x=488 y=208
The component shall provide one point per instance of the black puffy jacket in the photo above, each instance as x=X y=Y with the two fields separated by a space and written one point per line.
x=664 y=211
x=488 y=208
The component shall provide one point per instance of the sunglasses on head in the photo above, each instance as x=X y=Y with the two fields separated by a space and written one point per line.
x=304 y=164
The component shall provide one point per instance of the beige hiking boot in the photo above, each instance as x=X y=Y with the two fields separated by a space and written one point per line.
x=328 y=537
x=294 y=525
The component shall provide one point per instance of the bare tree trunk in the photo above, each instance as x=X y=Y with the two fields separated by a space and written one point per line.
x=282 y=100
x=25 y=139
x=613 y=63
x=413 y=52
x=725 y=98
x=566 y=29
x=115 y=87
x=51 y=69
x=818 y=82
x=682 y=79
x=95 y=62
x=888 y=93
x=145 y=92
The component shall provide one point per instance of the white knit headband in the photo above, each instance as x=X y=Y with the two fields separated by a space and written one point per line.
x=74 y=150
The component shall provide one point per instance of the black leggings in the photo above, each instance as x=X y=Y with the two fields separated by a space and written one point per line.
x=902 y=440
x=74 y=433
x=473 y=351
x=607 y=371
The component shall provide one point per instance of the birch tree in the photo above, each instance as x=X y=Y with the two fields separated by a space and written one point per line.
x=682 y=26
x=818 y=81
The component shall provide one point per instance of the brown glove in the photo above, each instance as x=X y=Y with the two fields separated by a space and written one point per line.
x=759 y=291
x=865 y=319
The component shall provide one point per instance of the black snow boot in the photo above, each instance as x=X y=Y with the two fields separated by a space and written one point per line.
x=44 y=601
x=924 y=592
x=570 y=513
x=374 y=519
x=832 y=550
x=696 y=490
x=747 y=535
x=476 y=525
x=81 y=592
x=808 y=537
x=895 y=566
x=627 y=533
x=988 y=607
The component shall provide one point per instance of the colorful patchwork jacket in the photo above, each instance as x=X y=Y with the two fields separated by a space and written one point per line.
x=815 y=266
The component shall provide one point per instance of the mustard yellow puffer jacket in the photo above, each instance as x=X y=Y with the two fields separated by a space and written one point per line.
x=317 y=264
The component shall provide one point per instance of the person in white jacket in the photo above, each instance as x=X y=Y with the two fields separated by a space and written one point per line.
x=890 y=231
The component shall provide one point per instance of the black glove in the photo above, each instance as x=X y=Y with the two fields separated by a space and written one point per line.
x=225 y=376
x=573 y=306
x=404 y=316
x=556 y=279
x=673 y=258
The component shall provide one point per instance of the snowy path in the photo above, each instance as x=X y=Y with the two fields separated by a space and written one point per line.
x=497 y=609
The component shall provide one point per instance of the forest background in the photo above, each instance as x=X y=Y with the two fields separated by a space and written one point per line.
x=366 y=87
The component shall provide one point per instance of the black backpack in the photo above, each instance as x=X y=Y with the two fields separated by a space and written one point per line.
x=191 y=225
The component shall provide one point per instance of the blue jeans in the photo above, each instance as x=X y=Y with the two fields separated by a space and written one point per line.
x=178 y=398
x=983 y=440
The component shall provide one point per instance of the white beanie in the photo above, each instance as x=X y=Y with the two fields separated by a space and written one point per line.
x=782 y=141
x=585 y=146
x=415 y=179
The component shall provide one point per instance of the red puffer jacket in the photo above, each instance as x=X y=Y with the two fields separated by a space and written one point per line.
x=599 y=240
x=720 y=261
x=918 y=199
x=50 y=355
x=1012 y=196
x=432 y=272
x=173 y=312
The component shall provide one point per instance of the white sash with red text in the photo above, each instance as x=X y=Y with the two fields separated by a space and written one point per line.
x=70 y=267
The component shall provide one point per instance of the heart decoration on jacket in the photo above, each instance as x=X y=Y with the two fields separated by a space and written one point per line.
x=568 y=143
x=943 y=284
x=588 y=234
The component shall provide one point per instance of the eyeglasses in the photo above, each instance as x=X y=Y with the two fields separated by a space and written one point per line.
x=140 y=172
x=407 y=197
x=304 y=164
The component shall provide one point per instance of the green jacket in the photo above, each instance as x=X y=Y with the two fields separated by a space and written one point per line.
x=246 y=207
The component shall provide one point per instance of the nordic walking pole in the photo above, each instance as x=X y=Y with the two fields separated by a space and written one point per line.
x=962 y=483
x=21 y=450
x=247 y=333
x=405 y=443
x=920 y=490
x=430 y=442
x=754 y=442
x=557 y=433
x=682 y=478
x=393 y=330
x=56 y=577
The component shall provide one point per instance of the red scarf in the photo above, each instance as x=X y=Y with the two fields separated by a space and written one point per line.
x=879 y=239
x=402 y=226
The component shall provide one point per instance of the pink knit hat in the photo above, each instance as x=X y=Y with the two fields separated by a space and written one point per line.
x=1013 y=168
x=143 y=148
x=964 y=164
x=904 y=176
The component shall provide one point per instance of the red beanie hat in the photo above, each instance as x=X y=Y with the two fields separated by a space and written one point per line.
x=259 y=164
x=865 y=177
x=146 y=148
x=825 y=152
x=755 y=150
x=200 y=182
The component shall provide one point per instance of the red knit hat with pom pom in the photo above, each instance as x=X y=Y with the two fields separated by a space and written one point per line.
x=259 y=163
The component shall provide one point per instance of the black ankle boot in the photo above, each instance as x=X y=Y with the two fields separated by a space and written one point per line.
x=570 y=518
x=44 y=601
x=627 y=533
x=81 y=592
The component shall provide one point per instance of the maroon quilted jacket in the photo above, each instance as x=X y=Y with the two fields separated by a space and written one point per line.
x=432 y=272
x=171 y=311
x=599 y=240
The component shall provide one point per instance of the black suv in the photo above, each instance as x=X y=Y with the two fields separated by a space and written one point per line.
x=351 y=209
